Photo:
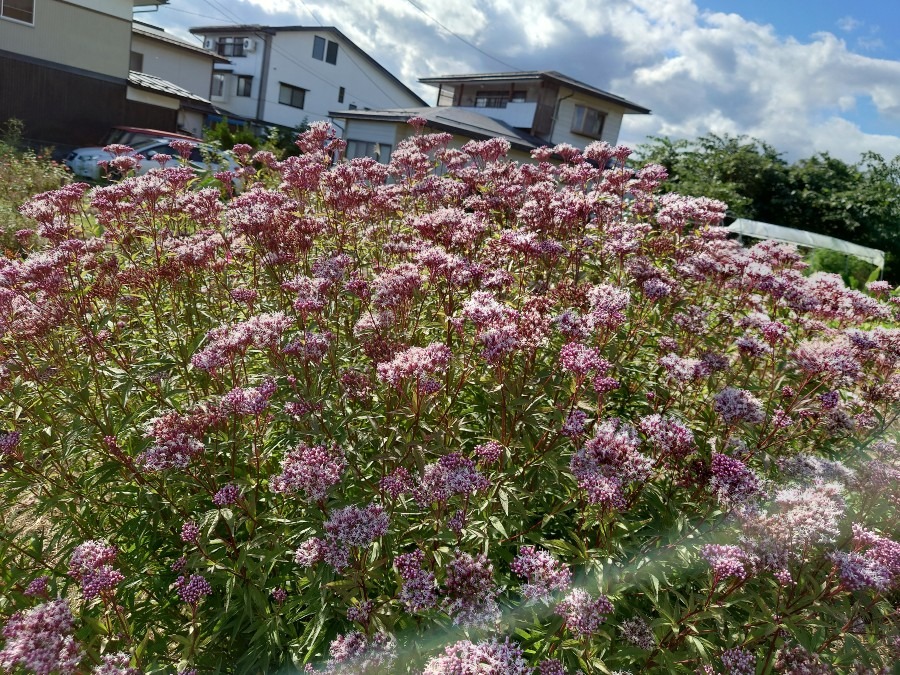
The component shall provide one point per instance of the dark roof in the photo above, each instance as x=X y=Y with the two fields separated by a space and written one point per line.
x=271 y=30
x=160 y=86
x=537 y=75
x=453 y=120
x=154 y=33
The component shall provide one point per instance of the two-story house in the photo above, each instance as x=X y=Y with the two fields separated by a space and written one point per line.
x=528 y=108
x=64 y=69
x=290 y=74
x=163 y=65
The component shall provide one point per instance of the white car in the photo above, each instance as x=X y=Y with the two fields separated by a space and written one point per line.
x=85 y=162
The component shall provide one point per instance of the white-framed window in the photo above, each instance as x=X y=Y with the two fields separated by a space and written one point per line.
x=325 y=50
x=588 y=121
x=230 y=46
x=18 y=10
x=290 y=95
x=379 y=151
x=218 y=85
x=244 y=85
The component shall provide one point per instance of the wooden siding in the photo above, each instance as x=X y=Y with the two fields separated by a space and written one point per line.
x=66 y=109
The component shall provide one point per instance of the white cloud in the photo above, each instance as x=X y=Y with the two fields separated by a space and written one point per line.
x=698 y=71
x=848 y=24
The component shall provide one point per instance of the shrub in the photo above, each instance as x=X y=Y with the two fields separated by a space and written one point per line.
x=23 y=173
x=447 y=415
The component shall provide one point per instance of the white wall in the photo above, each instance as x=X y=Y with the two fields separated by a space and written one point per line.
x=187 y=69
x=249 y=64
x=292 y=63
x=562 y=128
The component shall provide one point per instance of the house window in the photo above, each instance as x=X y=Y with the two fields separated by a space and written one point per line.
x=218 y=85
x=588 y=121
x=136 y=62
x=340 y=94
x=379 y=151
x=230 y=46
x=319 y=48
x=324 y=50
x=18 y=10
x=244 y=85
x=292 y=96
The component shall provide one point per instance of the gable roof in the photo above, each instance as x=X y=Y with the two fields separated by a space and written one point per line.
x=454 y=120
x=154 y=33
x=272 y=30
x=538 y=75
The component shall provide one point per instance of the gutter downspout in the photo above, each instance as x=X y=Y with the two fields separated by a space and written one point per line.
x=264 y=76
x=556 y=114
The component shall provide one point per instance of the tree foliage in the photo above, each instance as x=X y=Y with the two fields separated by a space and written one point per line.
x=857 y=202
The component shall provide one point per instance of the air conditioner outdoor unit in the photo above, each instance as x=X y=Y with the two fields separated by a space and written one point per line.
x=209 y=44
x=249 y=44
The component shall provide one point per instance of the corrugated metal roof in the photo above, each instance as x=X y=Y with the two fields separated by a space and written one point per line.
x=161 y=86
x=531 y=75
x=451 y=119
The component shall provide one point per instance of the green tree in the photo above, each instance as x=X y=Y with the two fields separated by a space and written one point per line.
x=857 y=202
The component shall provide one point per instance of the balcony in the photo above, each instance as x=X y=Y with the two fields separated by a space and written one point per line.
x=519 y=115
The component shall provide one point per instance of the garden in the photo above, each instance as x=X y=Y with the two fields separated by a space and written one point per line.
x=451 y=414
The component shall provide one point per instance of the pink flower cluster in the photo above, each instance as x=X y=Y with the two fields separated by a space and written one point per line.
x=583 y=613
x=419 y=592
x=312 y=469
x=90 y=566
x=470 y=590
x=41 y=640
x=544 y=573
x=418 y=363
x=194 y=589
x=468 y=658
x=226 y=342
x=609 y=462
x=739 y=405
x=733 y=482
x=451 y=475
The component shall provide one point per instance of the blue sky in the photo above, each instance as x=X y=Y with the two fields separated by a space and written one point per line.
x=806 y=76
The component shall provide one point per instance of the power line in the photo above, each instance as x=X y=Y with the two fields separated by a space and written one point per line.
x=462 y=39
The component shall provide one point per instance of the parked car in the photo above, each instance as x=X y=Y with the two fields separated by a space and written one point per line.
x=85 y=162
x=137 y=135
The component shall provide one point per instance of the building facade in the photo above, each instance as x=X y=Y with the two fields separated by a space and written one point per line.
x=293 y=74
x=64 y=69
x=530 y=109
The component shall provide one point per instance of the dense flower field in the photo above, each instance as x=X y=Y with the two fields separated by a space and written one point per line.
x=452 y=414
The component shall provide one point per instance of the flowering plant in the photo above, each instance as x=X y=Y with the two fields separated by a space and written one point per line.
x=450 y=414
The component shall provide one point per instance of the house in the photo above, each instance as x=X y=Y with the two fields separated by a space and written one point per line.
x=529 y=108
x=163 y=65
x=290 y=74
x=64 y=70
x=186 y=65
